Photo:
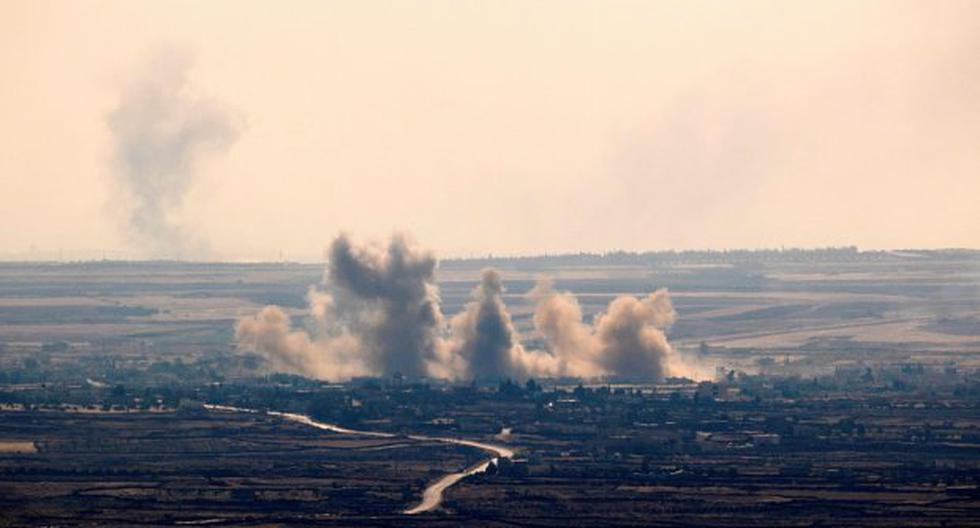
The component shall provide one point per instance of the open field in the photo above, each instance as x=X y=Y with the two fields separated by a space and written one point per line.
x=646 y=455
x=846 y=392
x=181 y=468
x=919 y=304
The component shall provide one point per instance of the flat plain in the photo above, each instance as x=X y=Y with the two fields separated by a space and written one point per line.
x=841 y=388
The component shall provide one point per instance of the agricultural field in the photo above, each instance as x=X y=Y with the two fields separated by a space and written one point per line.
x=817 y=310
x=835 y=385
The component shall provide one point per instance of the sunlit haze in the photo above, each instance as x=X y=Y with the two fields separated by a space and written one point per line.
x=486 y=127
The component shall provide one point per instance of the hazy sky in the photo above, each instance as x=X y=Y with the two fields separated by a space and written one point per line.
x=506 y=127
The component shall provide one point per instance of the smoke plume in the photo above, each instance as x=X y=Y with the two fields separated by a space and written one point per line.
x=380 y=314
x=631 y=336
x=162 y=131
x=627 y=341
x=392 y=302
x=293 y=351
x=483 y=339
x=558 y=318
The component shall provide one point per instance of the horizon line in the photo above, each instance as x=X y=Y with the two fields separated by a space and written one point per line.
x=16 y=259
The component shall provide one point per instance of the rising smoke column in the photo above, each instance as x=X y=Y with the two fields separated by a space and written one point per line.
x=380 y=315
x=558 y=318
x=161 y=132
x=627 y=341
x=392 y=302
x=484 y=341
x=631 y=337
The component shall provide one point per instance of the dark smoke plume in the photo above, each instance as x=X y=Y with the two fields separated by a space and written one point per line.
x=162 y=131
x=483 y=336
x=392 y=301
x=381 y=316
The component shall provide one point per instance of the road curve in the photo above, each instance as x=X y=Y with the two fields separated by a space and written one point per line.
x=432 y=496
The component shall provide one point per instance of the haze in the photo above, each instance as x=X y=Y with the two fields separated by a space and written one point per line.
x=504 y=127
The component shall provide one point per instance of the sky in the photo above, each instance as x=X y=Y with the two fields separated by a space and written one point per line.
x=509 y=127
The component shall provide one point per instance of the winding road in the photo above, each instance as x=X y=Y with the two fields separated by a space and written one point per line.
x=432 y=496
